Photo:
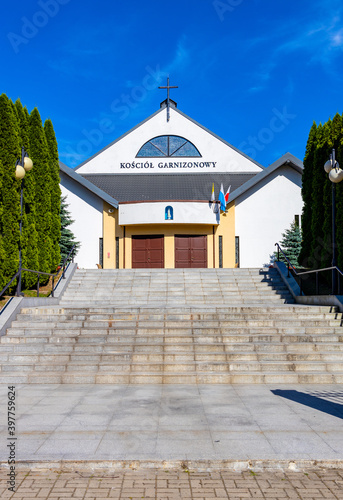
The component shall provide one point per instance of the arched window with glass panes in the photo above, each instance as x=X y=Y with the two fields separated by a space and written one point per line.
x=168 y=146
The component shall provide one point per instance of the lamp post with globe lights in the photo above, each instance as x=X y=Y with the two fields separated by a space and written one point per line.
x=22 y=166
x=331 y=167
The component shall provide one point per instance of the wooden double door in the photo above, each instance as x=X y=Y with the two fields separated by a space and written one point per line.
x=147 y=252
x=191 y=251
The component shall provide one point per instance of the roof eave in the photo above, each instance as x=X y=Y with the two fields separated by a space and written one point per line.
x=286 y=160
x=88 y=185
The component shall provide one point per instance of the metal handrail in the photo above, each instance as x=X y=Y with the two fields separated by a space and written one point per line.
x=2 y=310
x=317 y=271
x=279 y=249
x=324 y=269
x=39 y=273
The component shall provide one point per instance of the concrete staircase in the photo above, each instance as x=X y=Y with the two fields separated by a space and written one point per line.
x=174 y=326
x=176 y=287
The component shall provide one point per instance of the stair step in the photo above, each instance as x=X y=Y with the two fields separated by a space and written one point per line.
x=169 y=326
x=175 y=378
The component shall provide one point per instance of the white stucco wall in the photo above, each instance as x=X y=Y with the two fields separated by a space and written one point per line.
x=264 y=212
x=219 y=156
x=154 y=213
x=86 y=210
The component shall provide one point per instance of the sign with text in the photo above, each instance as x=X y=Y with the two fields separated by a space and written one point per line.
x=140 y=165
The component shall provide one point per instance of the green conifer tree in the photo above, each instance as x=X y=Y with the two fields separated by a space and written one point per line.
x=325 y=204
x=317 y=195
x=55 y=192
x=319 y=239
x=291 y=244
x=40 y=157
x=9 y=194
x=29 y=232
x=333 y=141
x=2 y=249
x=338 y=145
x=306 y=192
x=67 y=237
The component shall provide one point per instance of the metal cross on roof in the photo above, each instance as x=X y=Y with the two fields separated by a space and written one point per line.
x=168 y=87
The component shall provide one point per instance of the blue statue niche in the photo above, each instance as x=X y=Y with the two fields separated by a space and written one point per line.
x=169 y=213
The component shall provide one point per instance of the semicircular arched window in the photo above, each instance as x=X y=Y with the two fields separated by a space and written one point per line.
x=168 y=146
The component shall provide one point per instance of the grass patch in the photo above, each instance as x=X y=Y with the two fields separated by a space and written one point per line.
x=33 y=293
x=44 y=291
x=4 y=300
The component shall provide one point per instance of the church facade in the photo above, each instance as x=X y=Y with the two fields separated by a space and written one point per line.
x=150 y=199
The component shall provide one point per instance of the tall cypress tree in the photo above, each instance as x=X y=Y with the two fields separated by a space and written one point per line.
x=306 y=192
x=29 y=233
x=55 y=192
x=320 y=156
x=40 y=157
x=2 y=249
x=338 y=145
x=9 y=195
x=41 y=194
x=325 y=204
x=333 y=141
x=317 y=196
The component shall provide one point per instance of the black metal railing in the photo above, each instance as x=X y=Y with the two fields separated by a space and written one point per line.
x=64 y=266
x=299 y=276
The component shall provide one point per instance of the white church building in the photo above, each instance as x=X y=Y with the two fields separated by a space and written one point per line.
x=145 y=200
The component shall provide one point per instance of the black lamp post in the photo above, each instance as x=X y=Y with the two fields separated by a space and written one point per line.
x=331 y=167
x=22 y=166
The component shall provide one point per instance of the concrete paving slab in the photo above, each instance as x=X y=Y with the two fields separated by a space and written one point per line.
x=300 y=445
x=169 y=422
x=243 y=445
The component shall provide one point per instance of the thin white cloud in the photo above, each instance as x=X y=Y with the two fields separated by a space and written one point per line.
x=323 y=42
x=66 y=66
x=181 y=57
x=306 y=39
x=337 y=39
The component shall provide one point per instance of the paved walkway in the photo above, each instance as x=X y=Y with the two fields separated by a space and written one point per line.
x=171 y=485
x=154 y=423
x=174 y=442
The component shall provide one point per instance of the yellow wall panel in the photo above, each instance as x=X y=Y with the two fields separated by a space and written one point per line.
x=111 y=230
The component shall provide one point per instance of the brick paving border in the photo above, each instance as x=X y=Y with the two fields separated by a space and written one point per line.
x=174 y=485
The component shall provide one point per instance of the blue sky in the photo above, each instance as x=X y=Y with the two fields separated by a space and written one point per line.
x=255 y=72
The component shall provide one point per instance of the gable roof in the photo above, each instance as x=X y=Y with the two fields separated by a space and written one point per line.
x=286 y=160
x=156 y=187
x=121 y=188
x=163 y=106
x=88 y=185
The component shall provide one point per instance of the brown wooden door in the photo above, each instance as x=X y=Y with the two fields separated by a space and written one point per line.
x=191 y=251
x=147 y=252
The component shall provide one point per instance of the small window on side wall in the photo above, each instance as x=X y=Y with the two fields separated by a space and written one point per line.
x=237 y=258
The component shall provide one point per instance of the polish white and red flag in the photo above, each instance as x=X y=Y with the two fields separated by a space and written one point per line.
x=227 y=195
